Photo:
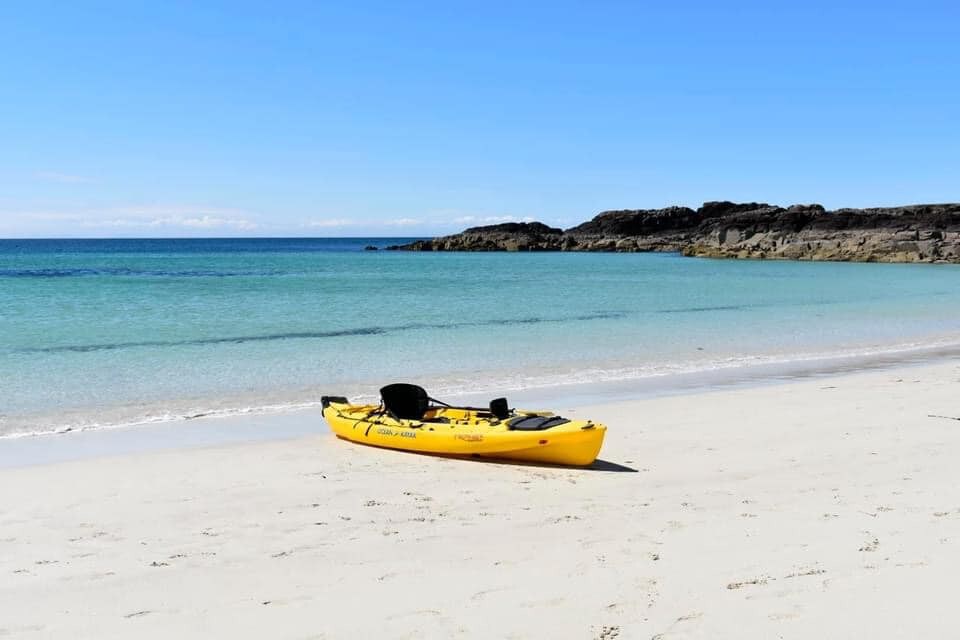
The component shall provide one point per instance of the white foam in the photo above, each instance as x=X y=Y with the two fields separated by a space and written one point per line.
x=497 y=382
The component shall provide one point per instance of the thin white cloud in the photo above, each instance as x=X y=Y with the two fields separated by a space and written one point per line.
x=332 y=223
x=490 y=219
x=176 y=220
x=201 y=222
x=152 y=218
x=42 y=216
x=403 y=222
x=174 y=210
x=433 y=221
x=63 y=178
x=183 y=216
x=206 y=222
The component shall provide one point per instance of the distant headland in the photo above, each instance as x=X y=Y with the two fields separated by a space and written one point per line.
x=912 y=233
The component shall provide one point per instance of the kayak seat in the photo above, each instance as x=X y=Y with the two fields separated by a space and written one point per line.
x=535 y=423
x=405 y=401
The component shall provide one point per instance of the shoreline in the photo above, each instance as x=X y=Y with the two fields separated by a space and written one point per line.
x=819 y=505
x=603 y=384
x=269 y=422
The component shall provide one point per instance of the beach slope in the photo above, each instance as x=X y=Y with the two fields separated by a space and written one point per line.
x=824 y=507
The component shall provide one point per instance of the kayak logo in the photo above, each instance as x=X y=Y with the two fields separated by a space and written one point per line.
x=468 y=437
x=383 y=431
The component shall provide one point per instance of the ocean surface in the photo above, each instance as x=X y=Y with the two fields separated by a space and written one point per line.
x=100 y=333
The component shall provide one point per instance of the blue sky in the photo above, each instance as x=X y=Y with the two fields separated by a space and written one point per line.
x=361 y=118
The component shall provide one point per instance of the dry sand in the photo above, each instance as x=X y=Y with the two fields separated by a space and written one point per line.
x=824 y=508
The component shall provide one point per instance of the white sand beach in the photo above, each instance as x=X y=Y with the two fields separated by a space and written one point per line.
x=826 y=507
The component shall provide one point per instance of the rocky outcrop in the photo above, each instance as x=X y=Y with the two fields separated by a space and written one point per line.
x=640 y=222
x=509 y=236
x=916 y=233
x=920 y=233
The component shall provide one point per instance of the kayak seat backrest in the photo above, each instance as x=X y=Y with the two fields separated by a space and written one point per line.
x=405 y=401
x=535 y=423
x=499 y=408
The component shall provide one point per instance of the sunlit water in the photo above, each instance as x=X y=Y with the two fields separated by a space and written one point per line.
x=99 y=333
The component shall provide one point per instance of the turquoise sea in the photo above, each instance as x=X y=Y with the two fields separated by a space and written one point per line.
x=97 y=333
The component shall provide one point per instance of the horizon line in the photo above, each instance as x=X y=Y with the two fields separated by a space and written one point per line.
x=17 y=239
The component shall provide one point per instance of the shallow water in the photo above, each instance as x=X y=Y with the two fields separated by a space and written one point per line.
x=97 y=333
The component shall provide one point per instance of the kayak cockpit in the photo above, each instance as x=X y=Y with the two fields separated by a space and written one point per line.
x=407 y=418
x=410 y=404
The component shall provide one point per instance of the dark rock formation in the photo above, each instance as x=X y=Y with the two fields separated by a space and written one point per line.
x=370 y=247
x=919 y=233
x=725 y=208
x=523 y=228
x=916 y=233
x=510 y=236
x=641 y=222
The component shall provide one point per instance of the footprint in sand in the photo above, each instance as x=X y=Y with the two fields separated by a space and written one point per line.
x=481 y=594
x=608 y=632
x=418 y=497
x=696 y=615
x=870 y=546
x=101 y=576
x=649 y=588
x=747 y=583
x=808 y=572
x=565 y=518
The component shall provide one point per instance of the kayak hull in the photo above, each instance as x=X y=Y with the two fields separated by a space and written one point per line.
x=575 y=443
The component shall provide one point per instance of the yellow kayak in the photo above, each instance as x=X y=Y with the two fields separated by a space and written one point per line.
x=410 y=420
